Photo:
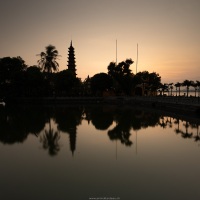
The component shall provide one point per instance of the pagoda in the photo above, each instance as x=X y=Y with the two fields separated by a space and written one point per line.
x=71 y=60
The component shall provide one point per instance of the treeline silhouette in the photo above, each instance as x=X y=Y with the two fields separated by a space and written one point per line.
x=17 y=122
x=18 y=80
x=187 y=84
x=45 y=80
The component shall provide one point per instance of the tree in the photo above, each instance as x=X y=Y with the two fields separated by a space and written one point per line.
x=194 y=85
x=9 y=67
x=11 y=75
x=121 y=75
x=121 y=69
x=178 y=85
x=149 y=81
x=170 y=88
x=154 y=81
x=163 y=88
x=66 y=83
x=101 y=82
x=47 y=60
x=187 y=83
x=34 y=81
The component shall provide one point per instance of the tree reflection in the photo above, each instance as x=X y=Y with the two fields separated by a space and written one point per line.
x=17 y=122
x=122 y=129
x=128 y=119
x=177 y=130
x=86 y=115
x=169 y=122
x=162 y=122
x=50 y=140
x=197 y=136
x=186 y=134
x=118 y=134
x=35 y=119
x=143 y=119
x=101 y=117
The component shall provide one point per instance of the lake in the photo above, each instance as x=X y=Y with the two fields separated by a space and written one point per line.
x=98 y=152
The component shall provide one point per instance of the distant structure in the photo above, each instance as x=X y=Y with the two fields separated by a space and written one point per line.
x=71 y=60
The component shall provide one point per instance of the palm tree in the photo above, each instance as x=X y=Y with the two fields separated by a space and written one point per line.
x=178 y=85
x=187 y=83
x=198 y=84
x=195 y=85
x=170 y=87
x=163 y=88
x=47 y=60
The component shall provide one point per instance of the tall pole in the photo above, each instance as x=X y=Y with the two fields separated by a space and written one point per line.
x=137 y=60
x=136 y=144
x=116 y=150
x=116 y=51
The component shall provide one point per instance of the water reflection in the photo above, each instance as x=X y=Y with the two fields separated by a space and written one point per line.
x=46 y=123
x=16 y=123
x=197 y=136
x=49 y=139
x=101 y=117
x=68 y=118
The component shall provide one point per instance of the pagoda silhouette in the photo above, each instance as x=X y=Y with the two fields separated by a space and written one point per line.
x=72 y=139
x=71 y=60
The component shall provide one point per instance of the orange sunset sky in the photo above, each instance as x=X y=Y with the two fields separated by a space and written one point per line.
x=167 y=32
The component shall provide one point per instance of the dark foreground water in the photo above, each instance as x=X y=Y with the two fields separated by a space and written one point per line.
x=98 y=152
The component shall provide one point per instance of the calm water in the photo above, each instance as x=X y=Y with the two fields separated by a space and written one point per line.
x=97 y=152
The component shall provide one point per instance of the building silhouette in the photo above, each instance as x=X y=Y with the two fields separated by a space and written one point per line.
x=71 y=60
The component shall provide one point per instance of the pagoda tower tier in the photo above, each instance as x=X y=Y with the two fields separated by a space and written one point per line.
x=71 y=59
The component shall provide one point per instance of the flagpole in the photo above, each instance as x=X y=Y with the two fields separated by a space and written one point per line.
x=137 y=60
x=116 y=51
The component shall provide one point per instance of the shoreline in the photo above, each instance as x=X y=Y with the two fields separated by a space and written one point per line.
x=178 y=105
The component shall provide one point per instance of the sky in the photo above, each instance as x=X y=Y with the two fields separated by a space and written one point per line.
x=167 y=33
